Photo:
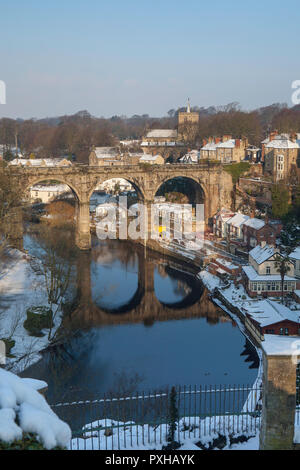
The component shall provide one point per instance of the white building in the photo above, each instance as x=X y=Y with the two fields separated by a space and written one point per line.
x=48 y=193
x=191 y=157
x=234 y=226
x=262 y=276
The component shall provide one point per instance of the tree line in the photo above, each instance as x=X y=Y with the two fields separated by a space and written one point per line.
x=75 y=135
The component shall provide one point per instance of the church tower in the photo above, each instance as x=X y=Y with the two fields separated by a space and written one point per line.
x=187 y=120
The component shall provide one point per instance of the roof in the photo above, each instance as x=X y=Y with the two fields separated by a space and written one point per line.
x=193 y=155
x=296 y=253
x=41 y=162
x=162 y=133
x=238 y=219
x=255 y=223
x=253 y=276
x=268 y=312
x=51 y=188
x=228 y=144
x=282 y=143
x=149 y=158
x=209 y=146
x=260 y=254
x=105 y=152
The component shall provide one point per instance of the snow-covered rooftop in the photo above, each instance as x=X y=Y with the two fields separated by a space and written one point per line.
x=149 y=158
x=228 y=144
x=281 y=142
x=105 y=152
x=209 y=146
x=260 y=254
x=238 y=219
x=255 y=223
x=268 y=312
x=252 y=275
x=41 y=162
x=162 y=133
x=58 y=188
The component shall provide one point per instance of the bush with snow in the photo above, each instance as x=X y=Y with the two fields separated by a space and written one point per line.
x=24 y=412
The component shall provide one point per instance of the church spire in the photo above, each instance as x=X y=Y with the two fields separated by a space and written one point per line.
x=188 y=109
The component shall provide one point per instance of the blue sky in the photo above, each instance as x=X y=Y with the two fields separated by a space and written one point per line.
x=136 y=56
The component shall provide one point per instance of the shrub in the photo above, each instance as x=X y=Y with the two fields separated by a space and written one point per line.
x=38 y=318
x=28 y=442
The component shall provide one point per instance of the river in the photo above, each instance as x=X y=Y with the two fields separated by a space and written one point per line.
x=140 y=323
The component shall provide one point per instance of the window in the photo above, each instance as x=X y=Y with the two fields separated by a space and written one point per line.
x=268 y=270
x=286 y=331
x=281 y=331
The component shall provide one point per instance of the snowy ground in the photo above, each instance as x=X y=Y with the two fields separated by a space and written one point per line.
x=24 y=410
x=108 y=434
x=20 y=288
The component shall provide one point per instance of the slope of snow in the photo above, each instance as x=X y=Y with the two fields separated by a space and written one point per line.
x=20 y=288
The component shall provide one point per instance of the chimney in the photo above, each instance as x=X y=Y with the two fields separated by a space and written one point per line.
x=263 y=243
x=204 y=142
x=218 y=140
x=273 y=135
x=252 y=215
x=226 y=137
x=237 y=143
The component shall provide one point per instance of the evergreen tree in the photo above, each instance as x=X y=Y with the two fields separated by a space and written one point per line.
x=280 y=200
x=173 y=415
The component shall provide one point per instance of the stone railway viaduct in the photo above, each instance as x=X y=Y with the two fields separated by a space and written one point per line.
x=212 y=185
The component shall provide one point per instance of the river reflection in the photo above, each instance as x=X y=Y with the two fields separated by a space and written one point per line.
x=139 y=322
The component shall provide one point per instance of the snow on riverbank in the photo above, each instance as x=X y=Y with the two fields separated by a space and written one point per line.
x=109 y=434
x=21 y=287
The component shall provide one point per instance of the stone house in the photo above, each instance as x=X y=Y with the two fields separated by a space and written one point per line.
x=224 y=149
x=100 y=156
x=280 y=157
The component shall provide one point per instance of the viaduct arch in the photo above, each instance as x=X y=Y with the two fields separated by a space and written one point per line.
x=210 y=179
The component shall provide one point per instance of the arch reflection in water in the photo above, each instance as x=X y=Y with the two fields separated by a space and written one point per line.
x=164 y=331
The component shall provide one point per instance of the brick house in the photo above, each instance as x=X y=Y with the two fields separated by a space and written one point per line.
x=256 y=231
x=270 y=317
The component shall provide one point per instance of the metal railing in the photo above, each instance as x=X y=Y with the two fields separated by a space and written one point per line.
x=148 y=421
